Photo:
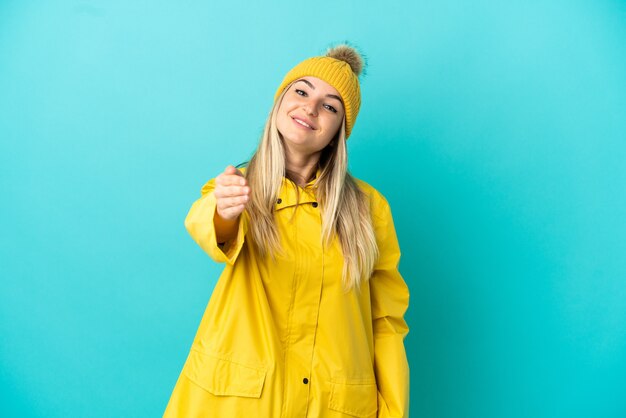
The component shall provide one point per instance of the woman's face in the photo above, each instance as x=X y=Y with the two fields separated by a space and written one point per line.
x=309 y=116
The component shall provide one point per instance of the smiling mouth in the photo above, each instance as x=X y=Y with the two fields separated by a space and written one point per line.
x=302 y=123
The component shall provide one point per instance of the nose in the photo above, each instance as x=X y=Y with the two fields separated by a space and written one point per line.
x=310 y=109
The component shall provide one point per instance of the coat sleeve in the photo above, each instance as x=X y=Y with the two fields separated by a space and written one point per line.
x=390 y=300
x=199 y=224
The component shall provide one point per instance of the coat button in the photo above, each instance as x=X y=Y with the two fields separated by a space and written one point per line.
x=305 y=380
x=314 y=204
x=279 y=201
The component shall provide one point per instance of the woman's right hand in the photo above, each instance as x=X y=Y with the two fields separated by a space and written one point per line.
x=231 y=193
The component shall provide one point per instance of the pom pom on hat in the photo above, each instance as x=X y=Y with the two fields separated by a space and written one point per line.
x=347 y=54
x=340 y=68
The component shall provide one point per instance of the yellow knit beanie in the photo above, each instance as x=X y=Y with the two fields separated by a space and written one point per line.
x=340 y=68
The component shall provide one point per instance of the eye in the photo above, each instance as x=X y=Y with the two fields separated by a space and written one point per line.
x=300 y=92
x=329 y=107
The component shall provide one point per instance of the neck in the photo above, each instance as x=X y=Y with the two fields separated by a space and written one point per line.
x=301 y=169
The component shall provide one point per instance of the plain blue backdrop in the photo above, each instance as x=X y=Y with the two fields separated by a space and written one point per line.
x=497 y=131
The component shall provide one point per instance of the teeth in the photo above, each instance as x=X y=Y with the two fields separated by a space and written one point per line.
x=301 y=123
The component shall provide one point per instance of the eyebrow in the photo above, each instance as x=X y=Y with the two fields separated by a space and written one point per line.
x=334 y=96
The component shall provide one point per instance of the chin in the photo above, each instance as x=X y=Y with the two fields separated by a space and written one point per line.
x=300 y=144
x=295 y=137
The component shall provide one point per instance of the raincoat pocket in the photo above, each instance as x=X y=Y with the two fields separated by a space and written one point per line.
x=358 y=398
x=223 y=377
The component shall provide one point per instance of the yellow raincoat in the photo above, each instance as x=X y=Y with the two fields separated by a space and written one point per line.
x=283 y=339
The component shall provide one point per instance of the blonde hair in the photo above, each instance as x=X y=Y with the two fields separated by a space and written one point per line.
x=344 y=206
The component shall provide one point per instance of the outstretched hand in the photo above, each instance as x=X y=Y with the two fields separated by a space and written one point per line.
x=231 y=193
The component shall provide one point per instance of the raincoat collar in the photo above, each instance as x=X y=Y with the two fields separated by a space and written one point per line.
x=289 y=191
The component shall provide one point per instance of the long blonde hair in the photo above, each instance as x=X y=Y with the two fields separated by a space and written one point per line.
x=345 y=208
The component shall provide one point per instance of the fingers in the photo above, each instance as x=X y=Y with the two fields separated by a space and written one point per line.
x=231 y=192
x=232 y=170
x=226 y=202
x=231 y=207
x=231 y=177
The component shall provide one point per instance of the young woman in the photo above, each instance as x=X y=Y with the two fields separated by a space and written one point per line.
x=307 y=318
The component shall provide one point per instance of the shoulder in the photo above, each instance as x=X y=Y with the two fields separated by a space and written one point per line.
x=378 y=202
x=208 y=187
x=369 y=190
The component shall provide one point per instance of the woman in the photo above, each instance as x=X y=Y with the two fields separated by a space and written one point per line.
x=306 y=319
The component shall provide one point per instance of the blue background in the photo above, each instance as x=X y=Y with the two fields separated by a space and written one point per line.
x=497 y=130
